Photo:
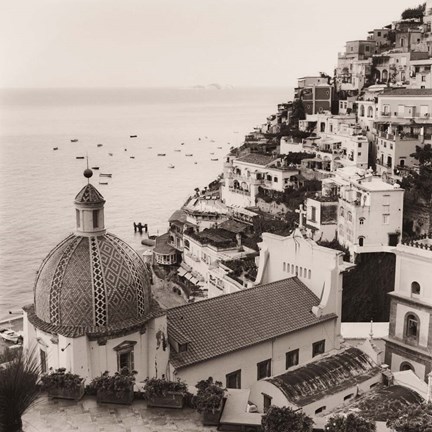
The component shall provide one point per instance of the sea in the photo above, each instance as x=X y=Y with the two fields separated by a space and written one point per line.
x=38 y=184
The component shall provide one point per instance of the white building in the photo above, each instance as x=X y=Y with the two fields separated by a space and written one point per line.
x=243 y=176
x=93 y=309
x=409 y=345
x=370 y=210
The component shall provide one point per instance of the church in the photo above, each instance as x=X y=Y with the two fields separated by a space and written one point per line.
x=93 y=308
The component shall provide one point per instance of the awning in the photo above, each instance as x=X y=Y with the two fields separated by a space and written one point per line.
x=181 y=271
x=194 y=280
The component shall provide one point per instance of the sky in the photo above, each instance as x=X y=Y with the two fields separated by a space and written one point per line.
x=180 y=43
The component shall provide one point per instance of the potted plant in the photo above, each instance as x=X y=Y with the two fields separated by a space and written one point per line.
x=117 y=388
x=210 y=401
x=163 y=393
x=63 y=385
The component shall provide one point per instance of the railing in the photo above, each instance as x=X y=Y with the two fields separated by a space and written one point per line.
x=239 y=191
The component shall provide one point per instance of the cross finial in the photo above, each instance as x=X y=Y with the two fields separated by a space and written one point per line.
x=302 y=212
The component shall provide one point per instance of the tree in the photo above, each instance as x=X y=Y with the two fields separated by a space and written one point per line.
x=284 y=419
x=412 y=418
x=416 y=13
x=18 y=390
x=423 y=154
x=350 y=423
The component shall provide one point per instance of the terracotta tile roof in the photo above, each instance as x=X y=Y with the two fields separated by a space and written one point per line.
x=257 y=159
x=89 y=194
x=325 y=376
x=178 y=216
x=93 y=332
x=162 y=247
x=407 y=92
x=230 y=322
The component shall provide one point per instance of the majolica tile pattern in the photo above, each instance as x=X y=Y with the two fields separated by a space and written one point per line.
x=92 y=281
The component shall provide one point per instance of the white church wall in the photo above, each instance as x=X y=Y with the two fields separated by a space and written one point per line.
x=246 y=359
x=158 y=347
x=397 y=360
x=424 y=317
x=264 y=388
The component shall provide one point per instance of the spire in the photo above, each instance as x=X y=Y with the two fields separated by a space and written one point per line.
x=89 y=208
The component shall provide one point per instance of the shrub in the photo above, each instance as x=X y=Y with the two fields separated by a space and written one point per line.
x=119 y=384
x=350 y=423
x=284 y=419
x=61 y=379
x=209 y=396
x=156 y=387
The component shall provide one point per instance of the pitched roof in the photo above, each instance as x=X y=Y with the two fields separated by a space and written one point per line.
x=178 y=216
x=162 y=247
x=325 y=376
x=257 y=159
x=89 y=195
x=407 y=92
x=230 y=322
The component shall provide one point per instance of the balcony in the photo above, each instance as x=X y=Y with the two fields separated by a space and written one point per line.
x=239 y=191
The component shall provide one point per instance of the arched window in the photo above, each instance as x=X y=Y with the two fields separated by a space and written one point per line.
x=415 y=288
x=370 y=111
x=186 y=244
x=341 y=211
x=236 y=184
x=349 y=216
x=412 y=326
x=361 y=220
x=309 y=274
x=362 y=110
x=361 y=240
x=406 y=366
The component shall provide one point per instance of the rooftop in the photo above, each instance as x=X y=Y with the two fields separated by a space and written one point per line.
x=406 y=92
x=162 y=247
x=231 y=322
x=178 y=216
x=233 y=226
x=257 y=159
x=214 y=236
x=325 y=376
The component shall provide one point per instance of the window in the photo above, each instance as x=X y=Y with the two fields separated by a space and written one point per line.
x=415 y=288
x=264 y=369
x=95 y=218
x=386 y=219
x=367 y=47
x=233 y=379
x=267 y=402
x=320 y=409
x=349 y=216
x=359 y=154
x=284 y=266
x=361 y=220
x=341 y=211
x=292 y=358
x=379 y=34
x=349 y=396
x=361 y=241
x=183 y=347
x=269 y=177
x=43 y=361
x=423 y=78
x=386 y=208
x=406 y=366
x=309 y=274
x=78 y=222
x=412 y=326
x=313 y=215
x=318 y=348
x=275 y=179
x=125 y=355
x=359 y=145
x=186 y=244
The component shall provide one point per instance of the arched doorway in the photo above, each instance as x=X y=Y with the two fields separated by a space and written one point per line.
x=406 y=366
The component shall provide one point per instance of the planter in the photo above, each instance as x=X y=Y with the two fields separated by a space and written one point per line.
x=170 y=400
x=103 y=396
x=211 y=418
x=74 y=393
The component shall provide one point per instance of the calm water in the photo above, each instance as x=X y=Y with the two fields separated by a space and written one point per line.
x=38 y=184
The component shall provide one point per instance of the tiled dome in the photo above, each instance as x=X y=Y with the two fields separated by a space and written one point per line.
x=92 y=281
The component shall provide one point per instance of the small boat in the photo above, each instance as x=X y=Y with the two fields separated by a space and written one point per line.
x=211 y=153
x=199 y=139
x=103 y=183
x=195 y=163
x=55 y=148
x=171 y=166
x=188 y=154
x=177 y=150
x=182 y=144
x=100 y=145
x=79 y=157
x=110 y=154
x=105 y=175
x=220 y=147
x=212 y=140
x=132 y=157
x=216 y=159
x=150 y=147
x=10 y=336
x=133 y=136
x=95 y=168
x=74 y=140
x=161 y=154
x=125 y=149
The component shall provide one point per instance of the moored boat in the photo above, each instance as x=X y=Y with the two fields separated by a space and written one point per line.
x=10 y=336
x=79 y=157
x=171 y=166
x=55 y=148
x=74 y=140
x=132 y=157
x=188 y=154
x=215 y=159
x=133 y=136
x=100 y=145
x=95 y=168
x=105 y=175
x=103 y=183
x=161 y=154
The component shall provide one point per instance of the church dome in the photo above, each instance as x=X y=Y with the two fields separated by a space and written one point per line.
x=92 y=279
